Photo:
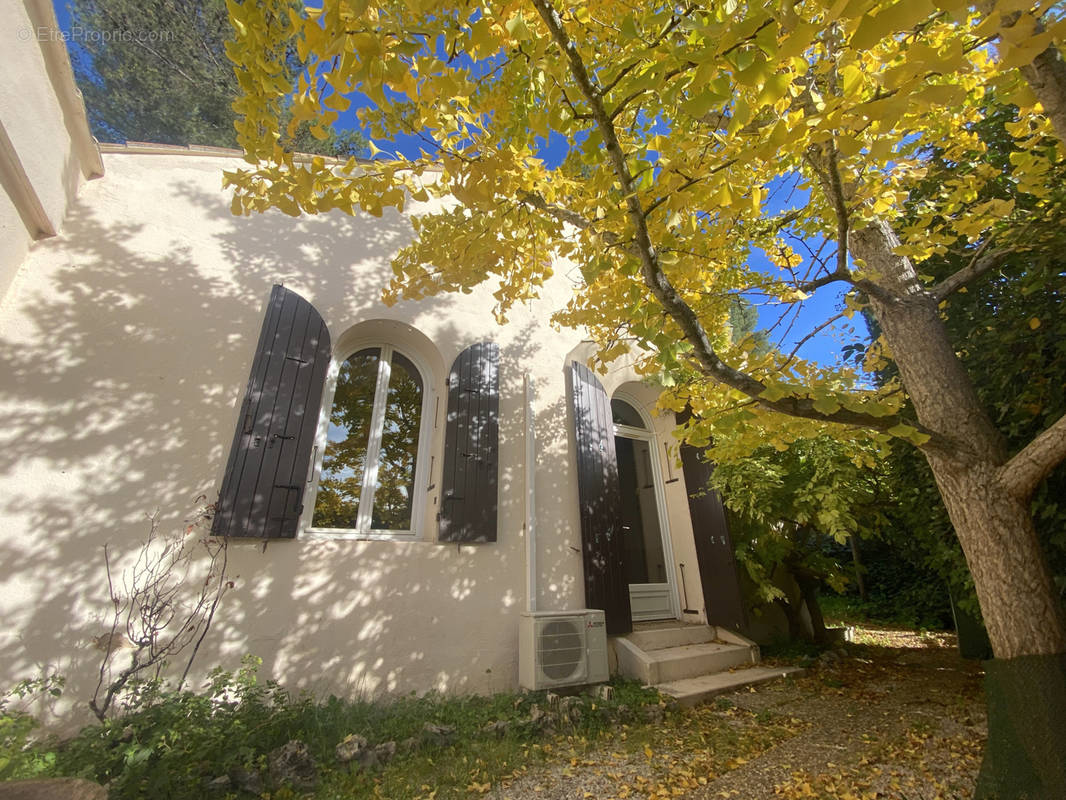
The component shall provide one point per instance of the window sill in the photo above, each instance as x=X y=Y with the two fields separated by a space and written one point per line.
x=335 y=534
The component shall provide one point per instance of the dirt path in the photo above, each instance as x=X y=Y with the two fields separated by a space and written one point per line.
x=899 y=722
x=900 y=716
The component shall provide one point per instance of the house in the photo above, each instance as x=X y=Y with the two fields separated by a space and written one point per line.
x=397 y=485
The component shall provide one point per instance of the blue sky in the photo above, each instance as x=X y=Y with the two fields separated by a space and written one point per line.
x=824 y=347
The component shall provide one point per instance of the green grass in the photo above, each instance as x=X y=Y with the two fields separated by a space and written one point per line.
x=169 y=744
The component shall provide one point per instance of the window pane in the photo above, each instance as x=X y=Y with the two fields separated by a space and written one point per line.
x=625 y=414
x=394 y=494
x=341 y=481
x=642 y=538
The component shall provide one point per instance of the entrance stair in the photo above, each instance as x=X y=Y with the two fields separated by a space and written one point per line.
x=691 y=662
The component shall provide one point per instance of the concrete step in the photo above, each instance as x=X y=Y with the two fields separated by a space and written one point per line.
x=659 y=638
x=666 y=664
x=691 y=691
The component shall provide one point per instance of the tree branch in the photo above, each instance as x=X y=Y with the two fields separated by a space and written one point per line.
x=980 y=264
x=809 y=286
x=651 y=269
x=1023 y=473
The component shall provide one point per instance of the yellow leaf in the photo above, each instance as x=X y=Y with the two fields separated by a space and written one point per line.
x=1034 y=323
x=516 y=26
x=773 y=391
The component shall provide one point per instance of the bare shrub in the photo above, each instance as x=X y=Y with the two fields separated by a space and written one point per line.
x=156 y=617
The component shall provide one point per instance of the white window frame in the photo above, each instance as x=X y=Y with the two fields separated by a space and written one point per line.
x=362 y=530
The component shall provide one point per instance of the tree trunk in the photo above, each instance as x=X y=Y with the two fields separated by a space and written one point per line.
x=1014 y=586
x=1021 y=608
x=796 y=631
x=808 y=585
x=856 y=561
x=1046 y=76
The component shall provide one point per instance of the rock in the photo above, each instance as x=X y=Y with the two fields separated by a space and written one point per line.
x=52 y=789
x=570 y=708
x=247 y=781
x=438 y=735
x=542 y=720
x=350 y=747
x=384 y=752
x=498 y=727
x=220 y=784
x=292 y=764
x=654 y=714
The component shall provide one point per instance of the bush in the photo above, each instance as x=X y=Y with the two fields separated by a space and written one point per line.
x=172 y=744
x=20 y=755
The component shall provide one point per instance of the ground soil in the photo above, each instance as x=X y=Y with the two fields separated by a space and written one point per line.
x=895 y=715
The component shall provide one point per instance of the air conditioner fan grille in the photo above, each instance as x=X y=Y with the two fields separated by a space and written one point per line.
x=561 y=649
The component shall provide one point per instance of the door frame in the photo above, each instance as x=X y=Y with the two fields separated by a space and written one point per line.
x=648 y=434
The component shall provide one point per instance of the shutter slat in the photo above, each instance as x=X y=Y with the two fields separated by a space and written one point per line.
x=490 y=438
x=263 y=488
x=714 y=544
x=450 y=452
x=307 y=365
x=278 y=496
x=471 y=447
x=599 y=496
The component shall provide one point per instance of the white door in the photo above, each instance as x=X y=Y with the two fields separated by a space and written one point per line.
x=644 y=534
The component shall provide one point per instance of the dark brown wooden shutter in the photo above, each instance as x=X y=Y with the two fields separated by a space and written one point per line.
x=600 y=498
x=267 y=473
x=471 y=447
x=714 y=545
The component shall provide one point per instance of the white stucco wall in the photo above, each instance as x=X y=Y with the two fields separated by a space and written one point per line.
x=125 y=346
x=47 y=148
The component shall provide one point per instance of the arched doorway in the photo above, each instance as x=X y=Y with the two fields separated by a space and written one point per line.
x=645 y=535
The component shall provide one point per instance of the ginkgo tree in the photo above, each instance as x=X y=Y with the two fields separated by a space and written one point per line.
x=687 y=126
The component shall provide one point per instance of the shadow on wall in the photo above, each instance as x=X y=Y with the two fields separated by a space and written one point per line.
x=129 y=347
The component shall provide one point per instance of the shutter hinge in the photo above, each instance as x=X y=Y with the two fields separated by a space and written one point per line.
x=298 y=505
x=249 y=421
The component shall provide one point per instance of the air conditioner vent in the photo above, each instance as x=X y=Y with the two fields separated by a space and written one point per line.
x=562 y=648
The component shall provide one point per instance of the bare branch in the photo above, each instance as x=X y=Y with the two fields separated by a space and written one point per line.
x=158 y=623
x=818 y=329
x=1023 y=473
x=809 y=286
x=980 y=264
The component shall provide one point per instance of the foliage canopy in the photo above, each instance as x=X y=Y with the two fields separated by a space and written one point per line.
x=712 y=112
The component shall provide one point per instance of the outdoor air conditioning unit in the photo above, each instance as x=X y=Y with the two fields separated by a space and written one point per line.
x=562 y=648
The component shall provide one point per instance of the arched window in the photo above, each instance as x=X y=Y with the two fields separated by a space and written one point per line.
x=622 y=413
x=370 y=463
